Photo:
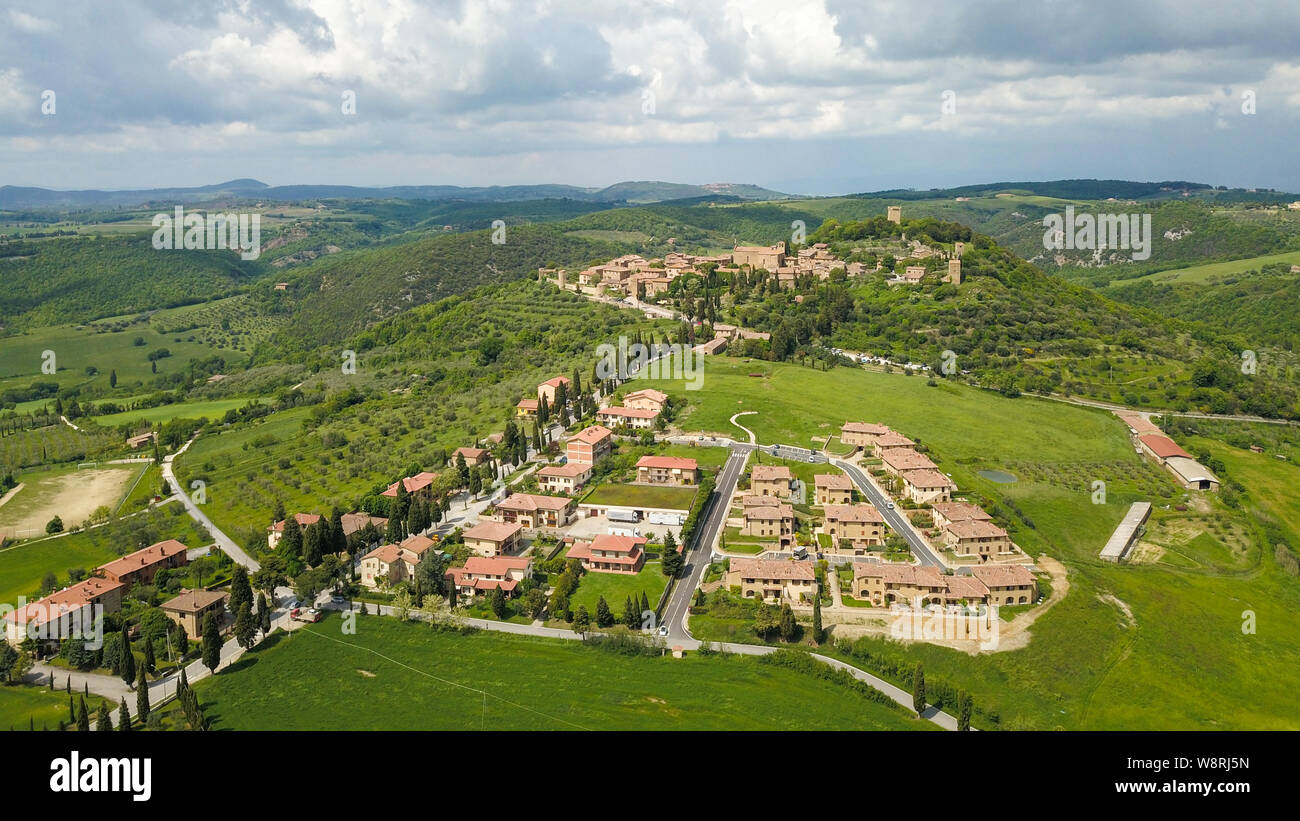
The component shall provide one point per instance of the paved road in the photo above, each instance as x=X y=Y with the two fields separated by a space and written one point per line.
x=223 y=541
x=698 y=554
x=895 y=518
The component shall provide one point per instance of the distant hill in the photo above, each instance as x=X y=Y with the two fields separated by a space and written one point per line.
x=1091 y=190
x=17 y=198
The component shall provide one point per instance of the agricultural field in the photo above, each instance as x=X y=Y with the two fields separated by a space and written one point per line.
x=212 y=409
x=1150 y=645
x=69 y=493
x=1210 y=270
x=53 y=444
x=411 y=677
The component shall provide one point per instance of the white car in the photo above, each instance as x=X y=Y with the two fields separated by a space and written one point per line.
x=663 y=630
x=891 y=505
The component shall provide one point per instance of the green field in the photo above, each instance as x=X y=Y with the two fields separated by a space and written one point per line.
x=616 y=587
x=642 y=496
x=212 y=409
x=391 y=675
x=1201 y=273
x=23 y=706
x=1181 y=661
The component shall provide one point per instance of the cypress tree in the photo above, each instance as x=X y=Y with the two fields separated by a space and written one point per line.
x=817 y=619
x=150 y=661
x=103 y=718
x=211 y=643
x=142 y=697
x=128 y=658
x=604 y=618
x=83 y=718
x=964 y=706
x=918 y=690
x=630 y=616
x=263 y=614
x=123 y=717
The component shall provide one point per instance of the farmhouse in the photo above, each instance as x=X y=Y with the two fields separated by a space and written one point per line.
x=135 y=442
x=473 y=456
x=527 y=407
x=481 y=574
x=977 y=537
x=945 y=513
x=897 y=460
x=276 y=531
x=770 y=522
x=771 y=480
x=714 y=346
x=888 y=441
x=1007 y=583
x=773 y=579
x=190 y=607
x=631 y=417
x=607 y=553
x=534 y=511
x=142 y=565
x=421 y=483
x=646 y=399
x=1190 y=473
x=547 y=389
x=64 y=613
x=590 y=445
x=667 y=470
x=861 y=434
x=356 y=522
x=494 y=538
x=393 y=563
x=927 y=486
x=566 y=478
x=861 y=525
x=832 y=489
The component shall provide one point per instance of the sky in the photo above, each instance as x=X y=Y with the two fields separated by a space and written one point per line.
x=817 y=97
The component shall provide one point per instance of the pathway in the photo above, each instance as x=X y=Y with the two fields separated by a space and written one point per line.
x=752 y=438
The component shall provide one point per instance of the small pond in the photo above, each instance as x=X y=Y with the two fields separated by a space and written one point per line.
x=999 y=476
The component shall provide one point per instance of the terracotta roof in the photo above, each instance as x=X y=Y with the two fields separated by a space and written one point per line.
x=150 y=555
x=193 y=601
x=925 y=478
x=901 y=574
x=591 y=435
x=67 y=600
x=647 y=393
x=413 y=483
x=768 y=513
x=557 y=381
x=975 y=529
x=903 y=459
x=628 y=548
x=470 y=454
x=1138 y=422
x=861 y=512
x=353 y=522
x=1163 y=447
x=303 y=520
x=493 y=531
x=832 y=481
x=529 y=501
x=890 y=439
x=527 y=404
x=869 y=428
x=771 y=473
x=667 y=463
x=967 y=587
x=960 y=511
x=772 y=569
x=1003 y=575
x=569 y=469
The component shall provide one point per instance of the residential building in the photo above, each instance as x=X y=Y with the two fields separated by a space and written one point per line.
x=667 y=470
x=923 y=486
x=944 y=513
x=421 y=483
x=142 y=565
x=136 y=442
x=547 y=389
x=775 y=521
x=832 y=489
x=482 y=574
x=860 y=525
x=192 y=606
x=590 y=445
x=527 y=407
x=773 y=579
x=356 y=522
x=977 y=537
x=897 y=460
x=566 y=478
x=608 y=553
x=473 y=456
x=768 y=257
x=533 y=511
x=861 y=434
x=631 y=417
x=275 y=532
x=646 y=399
x=885 y=584
x=771 y=480
x=69 y=612
x=1007 y=583
x=390 y=564
x=714 y=346
x=887 y=441
x=494 y=538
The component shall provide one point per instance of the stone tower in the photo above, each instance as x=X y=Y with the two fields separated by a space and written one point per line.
x=896 y=214
x=954 y=272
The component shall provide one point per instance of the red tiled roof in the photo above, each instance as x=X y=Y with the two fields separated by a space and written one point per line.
x=150 y=555
x=413 y=483
x=667 y=462
x=67 y=600
x=960 y=511
x=569 y=469
x=631 y=413
x=772 y=569
x=1003 y=575
x=902 y=459
x=975 y=529
x=1163 y=447
x=493 y=531
x=869 y=428
x=770 y=473
x=926 y=478
x=861 y=512
x=591 y=435
x=832 y=481
x=893 y=440
x=531 y=502
x=303 y=520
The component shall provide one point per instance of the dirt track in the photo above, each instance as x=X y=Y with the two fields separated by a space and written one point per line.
x=70 y=496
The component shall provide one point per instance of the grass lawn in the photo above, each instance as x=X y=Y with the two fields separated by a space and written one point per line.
x=1200 y=273
x=642 y=496
x=20 y=706
x=212 y=409
x=616 y=587
x=412 y=678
